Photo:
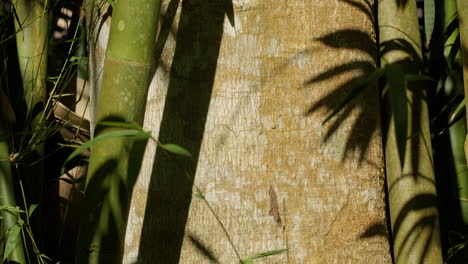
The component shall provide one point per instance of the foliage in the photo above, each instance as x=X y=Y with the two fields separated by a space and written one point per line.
x=30 y=131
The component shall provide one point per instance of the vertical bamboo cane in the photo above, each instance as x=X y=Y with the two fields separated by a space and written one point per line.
x=412 y=193
x=32 y=26
x=127 y=72
x=7 y=198
x=462 y=9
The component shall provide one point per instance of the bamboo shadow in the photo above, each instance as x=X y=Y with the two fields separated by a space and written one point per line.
x=410 y=240
x=202 y=248
x=421 y=202
x=99 y=207
x=185 y=111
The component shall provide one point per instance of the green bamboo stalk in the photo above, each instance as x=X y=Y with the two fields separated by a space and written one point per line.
x=127 y=74
x=410 y=176
x=31 y=41
x=7 y=198
x=457 y=130
x=32 y=26
x=462 y=9
x=457 y=137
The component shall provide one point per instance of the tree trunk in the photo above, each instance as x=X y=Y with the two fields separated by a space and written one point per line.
x=245 y=86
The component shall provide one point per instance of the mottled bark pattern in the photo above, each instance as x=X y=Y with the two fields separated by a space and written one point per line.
x=245 y=86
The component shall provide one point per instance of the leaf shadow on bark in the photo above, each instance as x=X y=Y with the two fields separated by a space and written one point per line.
x=192 y=72
x=202 y=248
x=365 y=123
x=366 y=102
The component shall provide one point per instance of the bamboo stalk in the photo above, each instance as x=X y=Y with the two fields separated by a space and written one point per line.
x=7 y=198
x=462 y=9
x=32 y=26
x=410 y=177
x=457 y=130
x=127 y=67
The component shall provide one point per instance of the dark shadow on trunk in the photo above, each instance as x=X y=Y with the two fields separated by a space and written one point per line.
x=183 y=123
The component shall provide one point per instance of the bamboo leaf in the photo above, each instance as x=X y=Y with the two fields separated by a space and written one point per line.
x=111 y=2
x=12 y=237
x=32 y=208
x=176 y=149
x=454 y=49
x=453 y=121
x=457 y=111
x=398 y=102
x=120 y=133
x=11 y=209
x=262 y=255
x=200 y=196
x=372 y=78
x=429 y=18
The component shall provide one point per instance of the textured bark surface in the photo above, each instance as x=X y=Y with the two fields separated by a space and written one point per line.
x=245 y=86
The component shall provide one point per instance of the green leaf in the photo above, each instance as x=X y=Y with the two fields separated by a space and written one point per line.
x=398 y=102
x=176 y=149
x=246 y=262
x=46 y=257
x=114 y=134
x=429 y=18
x=265 y=254
x=111 y=2
x=70 y=41
x=454 y=49
x=199 y=195
x=457 y=111
x=11 y=209
x=12 y=236
x=77 y=58
x=372 y=78
x=32 y=208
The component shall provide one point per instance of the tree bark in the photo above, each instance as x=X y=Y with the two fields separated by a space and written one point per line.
x=245 y=86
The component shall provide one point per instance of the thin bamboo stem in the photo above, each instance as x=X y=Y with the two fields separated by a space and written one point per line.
x=7 y=198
